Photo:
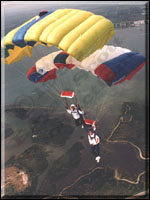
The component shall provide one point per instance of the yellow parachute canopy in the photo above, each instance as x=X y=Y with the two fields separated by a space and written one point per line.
x=77 y=32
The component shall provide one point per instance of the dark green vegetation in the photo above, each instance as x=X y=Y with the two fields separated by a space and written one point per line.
x=8 y=131
x=122 y=13
x=50 y=131
x=34 y=162
x=10 y=190
x=101 y=183
x=61 y=168
x=49 y=128
x=134 y=130
x=20 y=113
x=126 y=14
x=134 y=109
x=33 y=158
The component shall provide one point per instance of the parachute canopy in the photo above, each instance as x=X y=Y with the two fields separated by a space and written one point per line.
x=90 y=122
x=68 y=94
x=111 y=64
x=77 y=32
x=114 y=64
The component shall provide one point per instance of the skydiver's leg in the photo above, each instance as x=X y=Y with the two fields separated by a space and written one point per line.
x=93 y=150
x=94 y=129
x=96 y=150
x=77 y=122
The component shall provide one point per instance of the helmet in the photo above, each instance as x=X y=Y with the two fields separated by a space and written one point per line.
x=72 y=106
x=91 y=133
x=40 y=71
x=43 y=12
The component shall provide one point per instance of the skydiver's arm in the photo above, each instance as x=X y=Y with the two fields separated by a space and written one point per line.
x=89 y=140
x=69 y=111
x=81 y=112
x=94 y=128
x=97 y=140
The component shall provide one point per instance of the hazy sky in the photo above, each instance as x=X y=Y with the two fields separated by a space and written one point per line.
x=25 y=4
x=76 y=2
x=13 y=7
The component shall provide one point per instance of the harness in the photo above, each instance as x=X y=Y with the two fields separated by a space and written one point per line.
x=95 y=137
x=77 y=112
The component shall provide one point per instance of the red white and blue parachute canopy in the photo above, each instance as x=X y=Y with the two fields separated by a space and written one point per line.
x=114 y=64
x=111 y=64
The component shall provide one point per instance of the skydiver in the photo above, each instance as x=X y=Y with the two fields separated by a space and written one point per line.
x=42 y=13
x=77 y=114
x=94 y=141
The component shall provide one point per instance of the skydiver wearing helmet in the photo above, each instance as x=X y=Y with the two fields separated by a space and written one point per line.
x=77 y=114
x=42 y=13
x=94 y=141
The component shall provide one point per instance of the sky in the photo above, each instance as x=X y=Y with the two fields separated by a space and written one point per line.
x=25 y=4
x=77 y=2
x=16 y=7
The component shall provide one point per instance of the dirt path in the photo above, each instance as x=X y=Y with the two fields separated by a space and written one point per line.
x=139 y=194
x=124 y=141
x=86 y=163
x=116 y=176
